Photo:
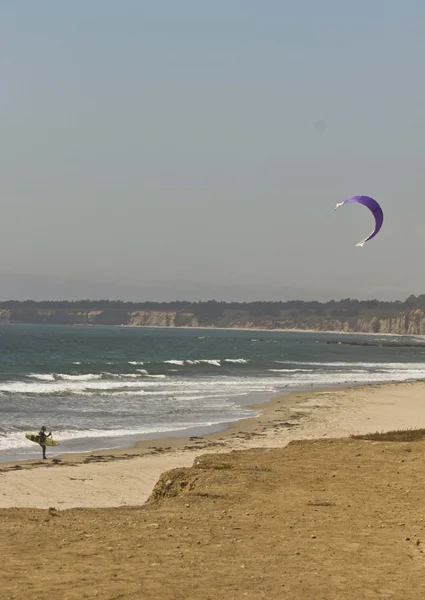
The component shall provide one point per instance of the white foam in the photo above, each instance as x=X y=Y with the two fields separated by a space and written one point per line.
x=241 y=361
x=60 y=387
x=290 y=370
x=211 y=361
x=64 y=376
x=143 y=384
x=82 y=377
x=214 y=362
x=368 y=365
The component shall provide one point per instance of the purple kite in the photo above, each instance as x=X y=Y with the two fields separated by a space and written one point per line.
x=374 y=207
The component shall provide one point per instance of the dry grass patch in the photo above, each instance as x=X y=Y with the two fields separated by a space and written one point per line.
x=397 y=435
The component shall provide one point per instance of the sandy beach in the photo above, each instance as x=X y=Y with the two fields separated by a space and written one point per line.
x=286 y=505
x=127 y=476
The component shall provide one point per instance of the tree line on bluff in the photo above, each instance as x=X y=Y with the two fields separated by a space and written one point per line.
x=212 y=309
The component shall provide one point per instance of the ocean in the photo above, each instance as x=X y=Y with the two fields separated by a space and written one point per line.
x=107 y=387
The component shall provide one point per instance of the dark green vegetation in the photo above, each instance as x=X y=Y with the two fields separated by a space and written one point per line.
x=213 y=308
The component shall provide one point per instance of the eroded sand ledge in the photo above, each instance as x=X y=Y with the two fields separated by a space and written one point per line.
x=330 y=519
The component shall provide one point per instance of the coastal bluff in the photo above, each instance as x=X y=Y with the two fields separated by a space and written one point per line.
x=372 y=316
x=149 y=318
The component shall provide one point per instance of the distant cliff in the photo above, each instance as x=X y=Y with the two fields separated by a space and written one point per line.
x=404 y=318
x=138 y=318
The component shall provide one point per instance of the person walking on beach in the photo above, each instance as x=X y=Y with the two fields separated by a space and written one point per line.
x=42 y=436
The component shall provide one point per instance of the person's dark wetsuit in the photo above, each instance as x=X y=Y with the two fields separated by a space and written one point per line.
x=42 y=435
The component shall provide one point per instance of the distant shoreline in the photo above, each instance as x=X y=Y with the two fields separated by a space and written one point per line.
x=213 y=328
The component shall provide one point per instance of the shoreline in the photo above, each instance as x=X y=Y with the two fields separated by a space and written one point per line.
x=127 y=476
x=161 y=442
x=179 y=439
x=130 y=443
x=213 y=328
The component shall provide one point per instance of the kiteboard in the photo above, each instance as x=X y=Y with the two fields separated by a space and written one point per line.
x=33 y=437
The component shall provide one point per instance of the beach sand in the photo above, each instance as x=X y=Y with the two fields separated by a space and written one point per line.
x=323 y=518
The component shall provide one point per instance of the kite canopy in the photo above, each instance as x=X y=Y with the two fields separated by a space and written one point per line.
x=374 y=207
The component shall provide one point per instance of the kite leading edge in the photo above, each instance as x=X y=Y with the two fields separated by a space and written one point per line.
x=375 y=209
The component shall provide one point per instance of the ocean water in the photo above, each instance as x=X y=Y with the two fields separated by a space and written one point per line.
x=105 y=387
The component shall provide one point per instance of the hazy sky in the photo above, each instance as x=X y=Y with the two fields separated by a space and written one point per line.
x=170 y=149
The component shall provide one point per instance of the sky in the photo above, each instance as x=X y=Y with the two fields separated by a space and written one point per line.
x=194 y=150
